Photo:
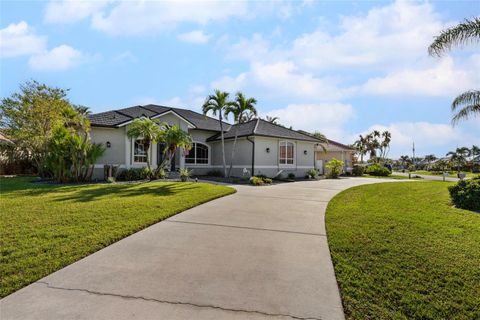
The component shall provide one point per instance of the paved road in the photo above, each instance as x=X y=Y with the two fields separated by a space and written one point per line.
x=261 y=253
x=428 y=177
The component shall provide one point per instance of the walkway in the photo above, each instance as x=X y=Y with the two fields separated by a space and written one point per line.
x=261 y=253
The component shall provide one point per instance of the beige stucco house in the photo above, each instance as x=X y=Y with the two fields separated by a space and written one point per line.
x=262 y=147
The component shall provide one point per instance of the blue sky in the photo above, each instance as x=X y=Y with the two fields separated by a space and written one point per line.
x=339 y=67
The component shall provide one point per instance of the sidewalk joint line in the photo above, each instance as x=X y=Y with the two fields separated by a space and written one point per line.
x=249 y=228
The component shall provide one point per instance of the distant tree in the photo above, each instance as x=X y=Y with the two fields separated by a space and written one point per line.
x=148 y=130
x=241 y=108
x=430 y=158
x=405 y=161
x=217 y=104
x=273 y=120
x=323 y=138
x=361 y=146
x=468 y=103
x=459 y=157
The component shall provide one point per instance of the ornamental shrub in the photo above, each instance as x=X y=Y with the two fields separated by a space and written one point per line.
x=291 y=176
x=466 y=194
x=335 y=168
x=378 y=170
x=358 y=170
x=260 y=181
x=312 y=173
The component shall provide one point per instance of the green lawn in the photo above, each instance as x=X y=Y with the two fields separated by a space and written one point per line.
x=392 y=176
x=451 y=174
x=401 y=251
x=46 y=227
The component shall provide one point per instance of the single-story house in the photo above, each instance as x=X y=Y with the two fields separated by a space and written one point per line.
x=262 y=147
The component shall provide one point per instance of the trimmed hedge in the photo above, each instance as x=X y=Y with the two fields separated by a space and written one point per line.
x=378 y=170
x=358 y=170
x=466 y=194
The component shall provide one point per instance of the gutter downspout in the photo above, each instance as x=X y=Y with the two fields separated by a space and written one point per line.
x=253 y=155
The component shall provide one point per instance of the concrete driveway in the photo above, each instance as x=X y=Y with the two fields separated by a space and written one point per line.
x=261 y=253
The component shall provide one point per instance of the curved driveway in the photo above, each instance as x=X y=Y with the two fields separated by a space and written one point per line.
x=261 y=253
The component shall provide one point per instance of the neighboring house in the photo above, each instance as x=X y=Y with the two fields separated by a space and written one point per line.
x=262 y=147
x=335 y=150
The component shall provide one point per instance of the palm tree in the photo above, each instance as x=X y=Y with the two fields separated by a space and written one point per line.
x=430 y=158
x=459 y=156
x=385 y=144
x=240 y=109
x=216 y=104
x=404 y=160
x=173 y=137
x=149 y=131
x=361 y=146
x=323 y=138
x=468 y=103
x=273 y=120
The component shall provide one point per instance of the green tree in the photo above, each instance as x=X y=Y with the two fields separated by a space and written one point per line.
x=149 y=131
x=173 y=137
x=468 y=103
x=273 y=120
x=361 y=146
x=430 y=158
x=217 y=104
x=241 y=109
x=30 y=116
x=459 y=157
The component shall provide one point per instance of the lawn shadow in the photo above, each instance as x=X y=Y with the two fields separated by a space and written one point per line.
x=126 y=190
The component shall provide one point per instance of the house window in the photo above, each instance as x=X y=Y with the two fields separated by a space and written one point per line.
x=139 y=154
x=198 y=154
x=287 y=152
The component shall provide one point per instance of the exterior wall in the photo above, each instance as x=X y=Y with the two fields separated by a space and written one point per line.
x=267 y=163
x=242 y=159
x=345 y=156
x=116 y=153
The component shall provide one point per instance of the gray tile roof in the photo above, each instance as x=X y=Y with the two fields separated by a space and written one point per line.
x=259 y=127
x=115 y=118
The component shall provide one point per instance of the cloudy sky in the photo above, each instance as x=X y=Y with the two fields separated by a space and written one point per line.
x=339 y=67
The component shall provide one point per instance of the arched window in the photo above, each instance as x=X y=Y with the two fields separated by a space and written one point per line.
x=198 y=154
x=287 y=152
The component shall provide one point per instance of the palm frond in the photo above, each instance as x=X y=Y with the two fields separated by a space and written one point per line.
x=463 y=33
x=467 y=104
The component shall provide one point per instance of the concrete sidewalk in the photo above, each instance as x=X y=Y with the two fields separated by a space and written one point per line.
x=258 y=254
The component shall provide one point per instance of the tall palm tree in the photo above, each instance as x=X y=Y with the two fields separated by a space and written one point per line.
x=173 y=137
x=240 y=109
x=216 y=104
x=404 y=160
x=149 y=131
x=361 y=146
x=468 y=103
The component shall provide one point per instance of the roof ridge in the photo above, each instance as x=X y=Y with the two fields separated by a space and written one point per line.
x=123 y=114
x=143 y=107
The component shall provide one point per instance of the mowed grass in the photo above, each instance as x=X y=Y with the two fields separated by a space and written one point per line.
x=450 y=174
x=401 y=251
x=46 y=227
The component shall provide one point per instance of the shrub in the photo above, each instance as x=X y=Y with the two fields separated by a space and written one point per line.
x=358 y=170
x=378 y=170
x=133 y=174
x=291 y=176
x=215 y=173
x=260 y=180
x=466 y=194
x=335 y=168
x=312 y=173
x=159 y=173
x=185 y=174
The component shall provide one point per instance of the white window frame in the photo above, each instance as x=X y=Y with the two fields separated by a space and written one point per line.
x=285 y=164
x=195 y=155
x=133 y=152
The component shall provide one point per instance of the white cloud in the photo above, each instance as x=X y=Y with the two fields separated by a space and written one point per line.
x=281 y=79
x=327 y=118
x=125 y=56
x=59 y=58
x=139 y=17
x=443 y=79
x=71 y=11
x=427 y=136
x=196 y=36
x=20 y=39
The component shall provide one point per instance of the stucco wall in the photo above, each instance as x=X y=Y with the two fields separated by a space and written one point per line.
x=116 y=153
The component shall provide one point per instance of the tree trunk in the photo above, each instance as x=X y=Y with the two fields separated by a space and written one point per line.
x=223 y=145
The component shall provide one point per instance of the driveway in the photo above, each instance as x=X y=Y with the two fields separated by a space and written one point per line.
x=261 y=253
